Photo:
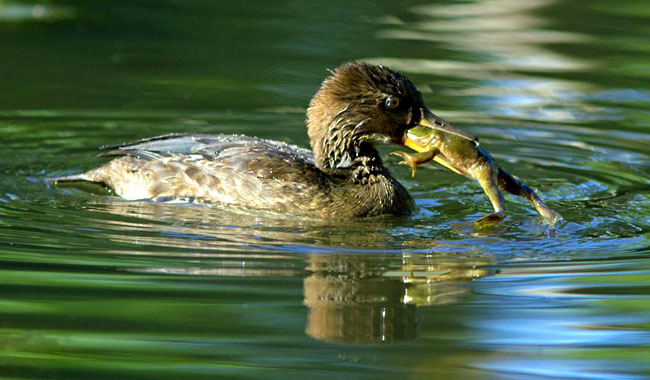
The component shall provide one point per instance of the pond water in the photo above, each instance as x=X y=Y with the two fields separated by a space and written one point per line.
x=92 y=287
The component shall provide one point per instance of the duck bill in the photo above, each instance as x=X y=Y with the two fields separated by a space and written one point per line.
x=429 y=120
x=429 y=128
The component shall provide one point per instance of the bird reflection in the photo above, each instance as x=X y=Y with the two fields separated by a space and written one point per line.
x=222 y=229
x=357 y=295
x=348 y=300
x=373 y=299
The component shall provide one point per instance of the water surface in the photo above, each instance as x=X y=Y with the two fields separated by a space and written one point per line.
x=95 y=287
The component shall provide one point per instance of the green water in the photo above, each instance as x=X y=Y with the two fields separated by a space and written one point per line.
x=92 y=287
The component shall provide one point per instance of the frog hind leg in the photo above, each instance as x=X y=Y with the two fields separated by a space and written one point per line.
x=488 y=181
x=514 y=186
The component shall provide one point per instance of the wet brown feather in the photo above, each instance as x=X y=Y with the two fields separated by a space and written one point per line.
x=344 y=177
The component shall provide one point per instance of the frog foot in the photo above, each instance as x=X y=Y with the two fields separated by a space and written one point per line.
x=408 y=159
x=551 y=216
x=490 y=219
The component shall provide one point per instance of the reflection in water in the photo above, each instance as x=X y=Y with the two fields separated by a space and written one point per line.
x=541 y=308
x=516 y=44
x=367 y=296
x=350 y=301
x=364 y=298
x=218 y=229
x=557 y=91
x=494 y=28
x=19 y=12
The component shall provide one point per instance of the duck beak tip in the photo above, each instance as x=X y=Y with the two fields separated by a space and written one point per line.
x=429 y=120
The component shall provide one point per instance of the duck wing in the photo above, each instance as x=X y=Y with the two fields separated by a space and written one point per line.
x=208 y=145
x=263 y=158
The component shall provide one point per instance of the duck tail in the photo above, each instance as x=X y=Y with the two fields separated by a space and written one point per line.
x=68 y=178
x=82 y=181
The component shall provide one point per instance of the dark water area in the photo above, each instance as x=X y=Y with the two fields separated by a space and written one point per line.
x=93 y=287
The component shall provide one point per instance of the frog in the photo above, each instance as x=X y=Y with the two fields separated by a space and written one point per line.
x=464 y=156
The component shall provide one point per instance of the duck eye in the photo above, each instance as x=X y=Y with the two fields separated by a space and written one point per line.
x=392 y=102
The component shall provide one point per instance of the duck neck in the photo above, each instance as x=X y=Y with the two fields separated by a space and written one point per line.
x=340 y=151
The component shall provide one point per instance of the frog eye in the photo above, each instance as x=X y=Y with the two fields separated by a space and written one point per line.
x=392 y=102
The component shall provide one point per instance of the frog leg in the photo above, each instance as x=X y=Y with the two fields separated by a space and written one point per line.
x=488 y=180
x=415 y=159
x=514 y=186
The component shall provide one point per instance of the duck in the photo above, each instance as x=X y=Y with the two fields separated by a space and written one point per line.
x=357 y=107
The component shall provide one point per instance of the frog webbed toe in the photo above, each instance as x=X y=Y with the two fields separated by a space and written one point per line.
x=408 y=159
x=491 y=219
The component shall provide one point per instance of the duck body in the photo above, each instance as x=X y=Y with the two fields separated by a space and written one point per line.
x=358 y=106
x=247 y=172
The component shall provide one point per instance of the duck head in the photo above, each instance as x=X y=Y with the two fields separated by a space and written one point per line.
x=360 y=104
